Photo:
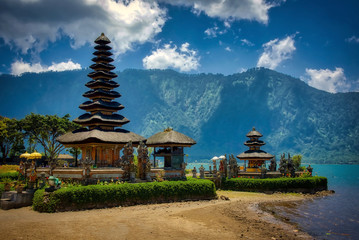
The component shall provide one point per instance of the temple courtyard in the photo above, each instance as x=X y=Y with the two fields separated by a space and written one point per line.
x=236 y=218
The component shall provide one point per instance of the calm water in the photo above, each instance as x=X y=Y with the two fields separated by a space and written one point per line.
x=331 y=217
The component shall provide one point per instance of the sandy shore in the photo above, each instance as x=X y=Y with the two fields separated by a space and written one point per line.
x=237 y=218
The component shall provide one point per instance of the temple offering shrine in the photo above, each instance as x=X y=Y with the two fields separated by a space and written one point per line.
x=255 y=156
x=168 y=145
x=101 y=137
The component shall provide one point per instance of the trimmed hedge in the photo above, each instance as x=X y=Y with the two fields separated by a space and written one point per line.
x=100 y=196
x=2 y=189
x=309 y=184
x=11 y=175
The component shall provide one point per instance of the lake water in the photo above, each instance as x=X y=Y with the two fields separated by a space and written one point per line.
x=331 y=217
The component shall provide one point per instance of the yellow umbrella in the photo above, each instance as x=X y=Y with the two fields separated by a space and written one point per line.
x=35 y=155
x=25 y=155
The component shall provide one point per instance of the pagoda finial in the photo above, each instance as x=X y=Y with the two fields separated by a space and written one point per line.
x=253 y=129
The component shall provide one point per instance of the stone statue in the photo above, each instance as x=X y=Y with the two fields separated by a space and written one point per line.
x=310 y=170
x=183 y=169
x=194 y=172
x=127 y=161
x=201 y=172
x=273 y=165
x=214 y=167
x=221 y=168
x=263 y=171
x=86 y=165
x=210 y=169
x=233 y=167
x=290 y=166
x=142 y=159
x=225 y=165
x=283 y=165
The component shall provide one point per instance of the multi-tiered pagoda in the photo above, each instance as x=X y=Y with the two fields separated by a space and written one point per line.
x=255 y=156
x=100 y=139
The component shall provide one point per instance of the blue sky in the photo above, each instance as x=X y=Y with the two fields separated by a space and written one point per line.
x=316 y=41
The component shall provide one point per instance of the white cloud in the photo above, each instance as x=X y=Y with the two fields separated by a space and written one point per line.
x=31 y=25
x=183 y=59
x=214 y=32
x=228 y=49
x=20 y=67
x=353 y=39
x=276 y=51
x=327 y=80
x=247 y=42
x=256 y=10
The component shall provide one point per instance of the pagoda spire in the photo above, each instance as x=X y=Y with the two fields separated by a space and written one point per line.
x=101 y=106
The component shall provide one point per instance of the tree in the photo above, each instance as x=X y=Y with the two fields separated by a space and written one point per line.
x=45 y=130
x=75 y=152
x=297 y=161
x=11 y=138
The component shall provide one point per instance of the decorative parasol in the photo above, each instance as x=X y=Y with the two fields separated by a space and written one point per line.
x=25 y=155
x=35 y=155
x=215 y=158
x=222 y=157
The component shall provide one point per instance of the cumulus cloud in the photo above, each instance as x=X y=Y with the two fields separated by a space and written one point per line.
x=20 y=67
x=276 y=51
x=31 y=25
x=169 y=56
x=228 y=49
x=256 y=10
x=327 y=80
x=353 y=39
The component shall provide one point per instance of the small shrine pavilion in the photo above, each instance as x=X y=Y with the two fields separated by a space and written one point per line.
x=101 y=137
x=255 y=156
x=169 y=145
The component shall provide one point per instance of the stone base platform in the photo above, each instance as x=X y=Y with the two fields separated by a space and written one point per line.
x=13 y=199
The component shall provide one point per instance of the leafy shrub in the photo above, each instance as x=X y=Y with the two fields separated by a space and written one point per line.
x=276 y=184
x=2 y=188
x=8 y=168
x=98 y=196
x=11 y=175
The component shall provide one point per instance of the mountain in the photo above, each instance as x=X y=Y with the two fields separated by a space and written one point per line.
x=216 y=110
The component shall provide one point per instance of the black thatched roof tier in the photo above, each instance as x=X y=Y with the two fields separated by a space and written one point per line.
x=84 y=136
x=99 y=118
x=99 y=105
x=169 y=137
x=100 y=93
x=103 y=47
x=254 y=143
x=102 y=66
x=102 y=74
x=101 y=83
x=255 y=154
x=254 y=133
x=102 y=39
x=102 y=59
x=102 y=53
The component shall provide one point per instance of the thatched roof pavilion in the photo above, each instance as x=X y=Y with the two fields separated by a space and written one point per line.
x=170 y=146
x=102 y=136
x=255 y=156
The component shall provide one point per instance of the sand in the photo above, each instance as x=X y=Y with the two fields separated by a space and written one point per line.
x=237 y=218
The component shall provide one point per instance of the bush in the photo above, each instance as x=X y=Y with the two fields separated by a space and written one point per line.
x=99 y=196
x=309 y=184
x=11 y=175
x=2 y=188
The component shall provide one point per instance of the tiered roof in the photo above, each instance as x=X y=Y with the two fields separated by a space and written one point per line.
x=169 y=137
x=101 y=120
x=255 y=144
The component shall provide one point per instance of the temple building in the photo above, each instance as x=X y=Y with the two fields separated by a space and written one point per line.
x=255 y=156
x=101 y=137
x=168 y=146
